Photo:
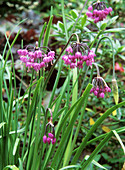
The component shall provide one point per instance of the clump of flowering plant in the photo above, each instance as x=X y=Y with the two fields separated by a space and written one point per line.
x=36 y=57
x=50 y=137
x=77 y=53
x=98 y=11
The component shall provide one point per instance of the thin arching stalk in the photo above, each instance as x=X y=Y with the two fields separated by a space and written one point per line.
x=113 y=56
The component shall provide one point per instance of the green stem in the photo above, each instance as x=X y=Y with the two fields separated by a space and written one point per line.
x=55 y=84
x=113 y=56
x=71 y=124
x=64 y=20
x=28 y=111
x=69 y=148
x=80 y=91
x=78 y=127
x=79 y=16
x=75 y=89
x=90 y=79
x=52 y=68
x=30 y=138
x=95 y=39
x=7 y=55
x=31 y=81
x=97 y=68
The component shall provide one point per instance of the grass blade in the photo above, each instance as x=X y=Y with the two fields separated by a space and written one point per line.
x=96 y=151
x=93 y=128
x=47 y=33
x=120 y=141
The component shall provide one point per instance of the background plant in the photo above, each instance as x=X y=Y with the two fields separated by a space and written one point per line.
x=23 y=117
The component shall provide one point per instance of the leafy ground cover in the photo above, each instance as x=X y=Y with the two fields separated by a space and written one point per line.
x=50 y=117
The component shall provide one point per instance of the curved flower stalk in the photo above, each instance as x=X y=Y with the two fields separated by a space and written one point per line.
x=114 y=82
x=98 y=11
x=50 y=137
x=36 y=57
x=77 y=53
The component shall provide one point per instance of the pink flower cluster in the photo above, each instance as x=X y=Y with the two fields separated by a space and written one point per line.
x=99 y=87
x=35 y=59
x=77 y=59
x=50 y=138
x=98 y=15
x=51 y=135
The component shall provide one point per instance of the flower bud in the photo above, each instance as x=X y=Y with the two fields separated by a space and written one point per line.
x=44 y=138
x=115 y=90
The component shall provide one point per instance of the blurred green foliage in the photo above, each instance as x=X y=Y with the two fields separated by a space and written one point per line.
x=110 y=157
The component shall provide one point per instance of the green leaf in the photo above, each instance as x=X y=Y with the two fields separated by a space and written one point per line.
x=70 y=166
x=9 y=51
x=20 y=164
x=120 y=141
x=10 y=110
x=64 y=19
x=59 y=113
x=121 y=49
x=115 y=90
x=118 y=45
x=69 y=149
x=2 y=124
x=70 y=18
x=70 y=27
x=96 y=163
x=103 y=26
x=59 y=127
x=112 y=20
x=61 y=25
x=96 y=151
x=47 y=33
x=83 y=20
x=93 y=128
x=114 y=30
x=119 y=130
x=63 y=89
x=74 y=13
x=31 y=112
x=16 y=145
x=121 y=56
x=71 y=123
x=41 y=34
x=13 y=167
x=99 y=65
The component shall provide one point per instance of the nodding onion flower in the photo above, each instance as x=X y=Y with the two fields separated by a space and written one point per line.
x=36 y=57
x=77 y=53
x=99 y=85
x=49 y=135
x=98 y=11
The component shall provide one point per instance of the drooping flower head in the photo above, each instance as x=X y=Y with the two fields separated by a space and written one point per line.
x=77 y=53
x=99 y=87
x=36 y=57
x=98 y=11
x=49 y=135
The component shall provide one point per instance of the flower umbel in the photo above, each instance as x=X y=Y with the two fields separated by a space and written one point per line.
x=78 y=53
x=36 y=57
x=98 y=11
x=50 y=137
x=99 y=87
